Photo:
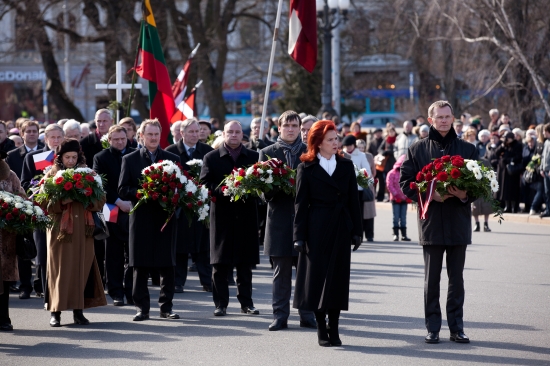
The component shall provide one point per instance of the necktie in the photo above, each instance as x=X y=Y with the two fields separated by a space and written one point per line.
x=191 y=150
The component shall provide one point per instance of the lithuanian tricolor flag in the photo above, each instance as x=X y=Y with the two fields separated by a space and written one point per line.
x=153 y=68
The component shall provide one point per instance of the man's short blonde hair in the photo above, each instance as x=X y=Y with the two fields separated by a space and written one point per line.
x=116 y=128
x=439 y=104
x=130 y=121
x=54 y=127
x=150 y=122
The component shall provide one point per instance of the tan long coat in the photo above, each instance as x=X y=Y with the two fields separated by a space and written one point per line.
x=72 y=266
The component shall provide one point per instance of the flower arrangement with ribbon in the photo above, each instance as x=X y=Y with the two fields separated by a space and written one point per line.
x=20 y=215
x=465 y=174
x=259 y=178
x=363 y=178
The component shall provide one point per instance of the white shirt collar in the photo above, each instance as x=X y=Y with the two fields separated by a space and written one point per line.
x=189 y=147
x=29 y=149
x=328 y=164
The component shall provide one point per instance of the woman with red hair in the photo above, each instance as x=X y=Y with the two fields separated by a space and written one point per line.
x=327 y=221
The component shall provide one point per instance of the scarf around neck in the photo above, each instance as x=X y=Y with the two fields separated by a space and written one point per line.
x=233 y=152
x=291 y=150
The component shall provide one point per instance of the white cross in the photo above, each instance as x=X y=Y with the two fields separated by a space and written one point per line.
x=118 y=86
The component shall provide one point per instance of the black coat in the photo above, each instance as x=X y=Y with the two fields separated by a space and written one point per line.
x=190 y=239
x=233 y=225
x=280 y=211
x=29 y=170
x=258 y=145
x=149 y=247
x=90 y=145
x=449 y=222
x=16 y=157
x=509 y=184
x=327 y=217
x=109 y=163
x=7 y=145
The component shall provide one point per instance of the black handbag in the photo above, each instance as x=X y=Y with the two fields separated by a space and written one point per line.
x=101 y=232
x=368 y=195
x=25 y=246
x=513 y=169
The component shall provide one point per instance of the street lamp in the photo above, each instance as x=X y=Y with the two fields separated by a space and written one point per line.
x=327 y=12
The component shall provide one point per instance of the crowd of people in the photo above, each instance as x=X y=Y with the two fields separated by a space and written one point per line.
x=145 y=245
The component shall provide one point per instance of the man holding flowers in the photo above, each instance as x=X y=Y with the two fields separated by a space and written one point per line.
x=446 y=226
x=150 y=247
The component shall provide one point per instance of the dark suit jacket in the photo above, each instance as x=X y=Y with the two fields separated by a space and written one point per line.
x=29 y=171
x=108 y=163
x=233 y=225
x=190 y=239
x=149 y=247
x=258 y=145
x=90 y=145
x=280 y=210
x=16 y=158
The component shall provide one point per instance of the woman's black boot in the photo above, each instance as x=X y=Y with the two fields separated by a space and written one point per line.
x=79 y=318
x=322 y=333
x=486 y=227
x=55 y=320
x=404 y=234
x=333 y=317
x=477 y=227
x=395 y=234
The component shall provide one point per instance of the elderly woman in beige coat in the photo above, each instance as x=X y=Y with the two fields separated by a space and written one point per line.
x=73 y=279
x=8 y=258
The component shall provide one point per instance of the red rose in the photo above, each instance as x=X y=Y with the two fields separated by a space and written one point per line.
x=165 y=179
x=413 y=186
x=9 y=216
x=425 y=169
x=59 y=180
x=190 y=194
x=139 y=195
x=77 y=177
x=79 y=184
x=15 y=211
x=420 y=177
x=164 y=199
x=224 y=188
x=213 y=199
x=199 y=203
x=179 y=185
x=237 y=184
x=442 y=176
x=292 y=181
x=160 y=161
x=22 y=217
x=276 y=171
x=446 y=158
x=176 y=196
x=155 y=196
x=430 y=167
x=146 y=172
x=89 y=178
x=209 y=193
x=437 y=161
x=172 y=185
x=439 y=167
x=5 y=205
x=164 y=188
x=174 y=201
x=68 y=186
x=455 y=173
x=429 y=177
x=155 y=176
x=33 y=218
x=242 y=172
x=88 y=191
x=189 y=205
x=284 y=171
x=458 y=162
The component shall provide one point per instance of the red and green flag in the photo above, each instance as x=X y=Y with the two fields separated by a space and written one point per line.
x=153 y=68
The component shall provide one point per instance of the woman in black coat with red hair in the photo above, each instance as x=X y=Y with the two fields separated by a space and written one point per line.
x=328 y=220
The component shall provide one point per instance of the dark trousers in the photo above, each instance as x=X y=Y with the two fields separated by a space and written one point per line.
x=381 y=186
x=204 y=268
x=99 y=249
x=368 y=227
x=282 y=289
x=25 y=276
x=220 y=286
x=433 y=263
x=140 y=292
x=5 y=305
x=118 y=275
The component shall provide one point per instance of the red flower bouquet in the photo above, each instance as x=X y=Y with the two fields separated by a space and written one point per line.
x=20 y=215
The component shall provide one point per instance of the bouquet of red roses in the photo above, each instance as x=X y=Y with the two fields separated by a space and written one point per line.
x=165 y=183
x=465 y=174
x=20 y=215
x=259 y=178
x=80 y=184
x=363 y=178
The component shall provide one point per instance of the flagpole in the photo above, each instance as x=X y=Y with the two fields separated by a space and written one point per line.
x=270 y=70
x=134 y=70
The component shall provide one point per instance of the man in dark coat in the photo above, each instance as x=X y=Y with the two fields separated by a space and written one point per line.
x=118 y=274
x=278 y=243
x=448 y=226
x=256 y=143
x=233 y=225
x=53 y=136
x=191 y=239
x=15 y=159
x=149 y=246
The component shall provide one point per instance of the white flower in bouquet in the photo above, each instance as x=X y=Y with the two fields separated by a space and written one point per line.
x=270 y=172
x=28 y=212
x=218 y=133
x=471 y=165
x=494 y=186
x=38 y=211
x=58 y=174
x=194 y=162
x=98 y=180
x=477 y=173
x=83 y=170
x=18 y=205
x=260 y=171
x=28 y=204
x=204 y=193
x=7 y=199
x=490 y=175
x=182 y=178
x=269 y=179
x=262 y=179
x=250 y=170
x=191 y=187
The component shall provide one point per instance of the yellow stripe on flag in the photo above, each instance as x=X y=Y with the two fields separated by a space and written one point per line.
x=149 y=14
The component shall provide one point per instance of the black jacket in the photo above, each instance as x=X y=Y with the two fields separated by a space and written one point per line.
x=90 y=145
x=149 y=247
x=327 y=217
x=449 y=222
x=195 y=238
x=7 y=145
x=29 y=171
x=16 y=157
x=258 y=145
x=233 y=225
x=509 y=185
x=109 y=163
x=280 y=211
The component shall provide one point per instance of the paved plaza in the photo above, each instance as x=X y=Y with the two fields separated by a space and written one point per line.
x=507 y=281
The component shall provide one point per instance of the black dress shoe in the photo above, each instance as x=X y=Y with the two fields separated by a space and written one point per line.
x=278 y=324
x=207 y=288
x=40 y=294
x=311 y=323
x=129 y=301
x=459 y=337
x=250 y=310
x=25 y=295
x=220 y=311
x=139 y=317
x=79 y=318
x=178 y=289
x=432 y=337
x=14 y=288
x=55 y=320
x=192 y=268
x=118 y=301
x=6 y=327
x=169 y=315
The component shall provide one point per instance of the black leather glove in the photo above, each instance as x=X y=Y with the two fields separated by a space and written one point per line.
x=299 y=246
x=355 y=240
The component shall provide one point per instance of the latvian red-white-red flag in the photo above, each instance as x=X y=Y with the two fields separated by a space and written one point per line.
x=302 y=39
x=180 y=85
x=185 y=109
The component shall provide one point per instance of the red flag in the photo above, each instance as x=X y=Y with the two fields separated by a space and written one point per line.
x=302 y=38
x=185 y=109
x=180 y=85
